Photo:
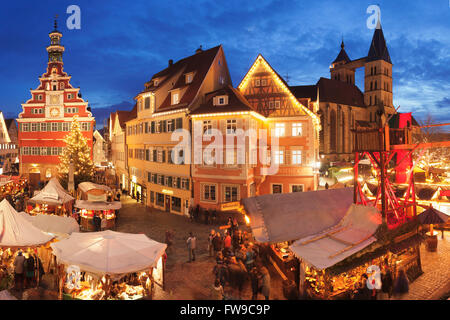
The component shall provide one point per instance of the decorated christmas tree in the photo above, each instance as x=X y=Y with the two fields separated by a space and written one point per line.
x=78 y=151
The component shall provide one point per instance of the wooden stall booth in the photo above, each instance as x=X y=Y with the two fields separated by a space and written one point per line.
x=90 y=211
x=90 y=191
x=89 y=267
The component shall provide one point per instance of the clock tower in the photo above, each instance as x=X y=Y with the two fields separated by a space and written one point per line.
x=46 y=117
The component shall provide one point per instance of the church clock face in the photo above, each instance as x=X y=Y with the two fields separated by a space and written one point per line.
x=54 y=112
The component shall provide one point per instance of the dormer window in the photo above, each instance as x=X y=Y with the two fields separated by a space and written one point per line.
x=155 y=82
x=61 y=86
x=189 y=77
x=175 y=98
x=70 y=96
x=220 y=100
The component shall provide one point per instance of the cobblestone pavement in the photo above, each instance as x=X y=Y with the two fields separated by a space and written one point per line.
x=189 y=281
x=434 y=283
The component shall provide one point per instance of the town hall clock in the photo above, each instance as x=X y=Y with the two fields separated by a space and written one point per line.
x=54 y=112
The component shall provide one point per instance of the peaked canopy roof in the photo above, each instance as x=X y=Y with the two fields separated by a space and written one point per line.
x=291 y=216
x=88 y=186
x=109 y=252
x=353 y=233
x=18 y=231
x=53 y=193
x=378 y=48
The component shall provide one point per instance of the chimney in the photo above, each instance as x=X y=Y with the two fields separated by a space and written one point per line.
x=170 y=62
x=199 y=49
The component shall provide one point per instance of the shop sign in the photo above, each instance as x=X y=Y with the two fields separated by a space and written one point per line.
x=230 y=206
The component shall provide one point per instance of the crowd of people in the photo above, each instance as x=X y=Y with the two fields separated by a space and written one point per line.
x=201 y=215
x=238 y=261
x=28 y=270
x=391 y=287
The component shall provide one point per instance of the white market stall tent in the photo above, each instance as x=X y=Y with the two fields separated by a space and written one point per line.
x=110 y=256
x=17 y=231
x=53 y=224
x=98 y=205
x=54 y=195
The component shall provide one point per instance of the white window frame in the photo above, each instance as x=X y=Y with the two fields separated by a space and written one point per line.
x=175 y=98
x=263 y=82
x=207 y=127
x=280 y=129
x=231 y=126
x=224 y=191
x=203 y=187
x=296 y=156
x=278 y=157
x=257 y=82
x=276 y=184
x=297 y=129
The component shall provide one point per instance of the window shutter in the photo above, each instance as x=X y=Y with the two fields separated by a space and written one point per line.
x=223 y=126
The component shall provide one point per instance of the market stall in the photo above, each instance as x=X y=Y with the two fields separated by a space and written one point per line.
x=18 y=233
x=277 y=220
x=109 y=265
x=333 y=261
x=90 y=210
x=52 y=199
x=93 y=192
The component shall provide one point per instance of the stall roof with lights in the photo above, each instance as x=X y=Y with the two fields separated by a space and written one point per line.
x=18 y=231
x=88 y=186
x=53 y=193
x=109 y=252
x=291 y=216
x=98 y=205
x=352 y=234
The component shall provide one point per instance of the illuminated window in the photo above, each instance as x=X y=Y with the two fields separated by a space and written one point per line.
x=207 y=127
x=230 y=194
x=297 y=188
x=257 y=83
x=279 y=157
x=296 y=129
x=231 y=126
x=296 y=157
x=175 y=98
x=279 y=129
x=189 y=78
x=263 y=82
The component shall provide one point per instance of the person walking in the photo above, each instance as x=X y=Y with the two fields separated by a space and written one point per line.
x=19 y=270
x=386 y=283
x=217 y=243
x=401 y=285
x=254 y=281
x=227 y=242
x=265 y=282
x=249 y=257
x=217 y=291
x=29 y=268
x=169 y=239
x=235 y=240
x=211 y=236
x=191 y=244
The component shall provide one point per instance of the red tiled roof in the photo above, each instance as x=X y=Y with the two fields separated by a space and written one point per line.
x=125 y=116
x=198 y=63
x=236 y=102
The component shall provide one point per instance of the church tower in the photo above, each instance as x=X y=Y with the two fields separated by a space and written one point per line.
x=339 y=70
x=378 y=72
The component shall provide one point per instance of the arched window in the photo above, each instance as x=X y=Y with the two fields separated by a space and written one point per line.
x=321 y=133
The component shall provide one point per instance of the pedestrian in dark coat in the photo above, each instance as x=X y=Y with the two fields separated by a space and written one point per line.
x=401 y=284
x=217 y=243
x=206 y=216
x=254 y=281
x=387 y=283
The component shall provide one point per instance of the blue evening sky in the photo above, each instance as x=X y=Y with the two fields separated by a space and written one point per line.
x=121 y=44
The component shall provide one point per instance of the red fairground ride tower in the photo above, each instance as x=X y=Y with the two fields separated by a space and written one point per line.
x=390 y=148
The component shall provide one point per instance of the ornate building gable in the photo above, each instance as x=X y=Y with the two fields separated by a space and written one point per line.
x=269 y=94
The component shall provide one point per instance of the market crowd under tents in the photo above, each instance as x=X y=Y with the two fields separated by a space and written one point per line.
x=115 y=265
x=52 y=199
x=324 y=243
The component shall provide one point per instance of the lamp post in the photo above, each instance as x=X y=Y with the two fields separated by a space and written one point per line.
x=70 y=184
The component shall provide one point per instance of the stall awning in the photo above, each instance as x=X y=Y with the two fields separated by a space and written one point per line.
x=98 y=205
x=53 y=193
x=53 y=224
x=88 y=186
x=291 y=216
x=17 y=231
x=109 y=252
x=352 y=234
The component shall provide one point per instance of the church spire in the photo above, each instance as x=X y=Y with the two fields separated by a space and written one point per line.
x=378 y=48
x=342 y=56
